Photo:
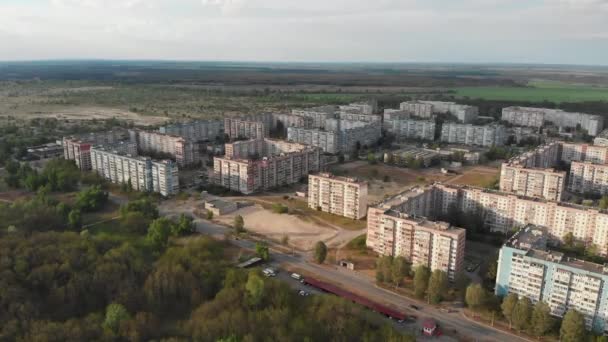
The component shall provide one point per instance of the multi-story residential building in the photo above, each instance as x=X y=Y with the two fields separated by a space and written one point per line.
x=541 y=183
x=588 y=178
x=527 y=268
x=237 y=128
x=584 y=153
x=391 y=115
x=185 y=152
x=328 y=141
x=412 y=129
x=359 y=117
x=78 y=148
x=338 y=195
x=261 y=164
x=365 y=135
x=466 y=134
x=367 y=108
x=502 y=211
x=464 y=113
x=397 y=227
x=143 y=173
x=318 y=115
x=289 y=120
x=197 y=130
x=419 y=109
x=601 y=139
x=537 y=117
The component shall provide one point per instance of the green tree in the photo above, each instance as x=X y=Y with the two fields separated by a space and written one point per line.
x=255 y=289
x=475 y=297
x=239 y=224
x=134 y=222
x=285 y=240
x=184 y=226
x=115 y=314
x=508 y=306
x=460 y=283
x=573 y=327
x=542 y=321
x=400 y=268
x=438 y=286
x=91 y=199
x=421 y=280
x=209 y=215
x=159 y=232
x=320 y=252
x=604 y=202
x=75 y=219
x=279 y=208
x=568 y=239
x=522 y=313
x=262 y=251
x=384 y=272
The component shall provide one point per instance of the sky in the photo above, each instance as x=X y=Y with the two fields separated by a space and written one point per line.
x=463 y=31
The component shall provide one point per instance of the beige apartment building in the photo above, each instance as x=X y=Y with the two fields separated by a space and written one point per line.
x=338 y=195
x=395 y=228
x=237 y=128
x=78 y=147
x=541 y=183
x=501 y=212
x=588 y=178
x=261 y=164
x=185 y=152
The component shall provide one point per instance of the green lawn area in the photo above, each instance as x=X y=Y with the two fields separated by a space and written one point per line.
x=537 y=91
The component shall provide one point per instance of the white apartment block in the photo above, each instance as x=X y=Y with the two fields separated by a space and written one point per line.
x=412 y=129
x=395 y=227
x=419 y=109
x=588 y=178
x=601 y=139
x=277 y=163
x=143 y=173
x=318 y=115
x=78 y=148
x=197 y=130
x=541 y=183
x=338 y=195
x=537 y=117
x=289 y=120
x=367 y=108
x=185 y=152
x=527 y=268
x=391 y=115
x=464 y=113
x=237 y=128
x=584 y=153
x=328 y=141
x=466 y=134
x=359 y=117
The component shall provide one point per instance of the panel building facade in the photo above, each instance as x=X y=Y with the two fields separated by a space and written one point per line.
x=78 y=147
x=197 y=130
x=237 y=128
x=185 y=152
x=466 y=134
x=338 y=195
x=537 y=117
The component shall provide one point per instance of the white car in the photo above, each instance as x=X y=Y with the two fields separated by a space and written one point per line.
x=296 y=276
x=269 y=272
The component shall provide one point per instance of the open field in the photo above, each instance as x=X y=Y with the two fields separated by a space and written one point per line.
x=539 y=92
x=482 y=176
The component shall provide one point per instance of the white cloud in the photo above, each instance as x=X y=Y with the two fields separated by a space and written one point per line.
x=333 y=30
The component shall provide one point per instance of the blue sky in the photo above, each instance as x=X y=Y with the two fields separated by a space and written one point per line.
x=515 y=31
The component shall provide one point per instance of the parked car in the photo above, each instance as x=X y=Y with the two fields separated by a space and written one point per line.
x=296 y=276
x=303 y=293
x=269 y=272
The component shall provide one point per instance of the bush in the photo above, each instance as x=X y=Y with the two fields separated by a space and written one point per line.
x=279 y=208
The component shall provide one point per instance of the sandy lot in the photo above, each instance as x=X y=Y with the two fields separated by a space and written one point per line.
x=302 y=235
x=476 y=176
x=88 y=113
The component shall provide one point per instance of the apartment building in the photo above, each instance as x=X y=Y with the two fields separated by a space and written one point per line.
x=185 y=152
x=419 y=109
x=601 y=139
x=395 y=227
x=527 y=268
x=411 y=128
x=391 y=115
x=328 y=141
x=588 y=178
x=365 y=135
x=197 y=130
x=338 y=195
x=366 y=108
x=143 y=173
x=467 y=134
x=275 y=163
x=237 y=128
x=78 y=147
x=464 y=113
x=541 y=183
x=584 y=153
x=318 y=115
x=289 y=120
x=502 y=211
x=359 y=117
x=537 y=117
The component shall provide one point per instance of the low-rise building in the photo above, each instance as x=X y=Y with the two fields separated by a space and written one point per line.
x=527 y=268
x=406 y=155
x=338 y=195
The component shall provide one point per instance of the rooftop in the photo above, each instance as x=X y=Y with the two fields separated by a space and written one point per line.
x=339 y=178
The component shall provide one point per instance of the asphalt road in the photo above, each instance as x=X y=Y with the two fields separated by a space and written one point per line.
x=365 y=285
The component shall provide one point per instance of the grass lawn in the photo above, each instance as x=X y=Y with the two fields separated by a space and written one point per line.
x=537 y=92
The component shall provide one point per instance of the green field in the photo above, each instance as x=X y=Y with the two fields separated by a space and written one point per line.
x=537 y=91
